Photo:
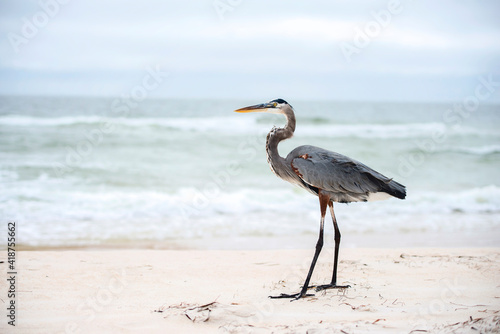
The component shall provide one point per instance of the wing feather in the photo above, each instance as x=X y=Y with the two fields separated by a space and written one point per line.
x=338 y=174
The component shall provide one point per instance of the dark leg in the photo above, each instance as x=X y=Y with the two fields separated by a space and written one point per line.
x=323 y=202
x=336 y=256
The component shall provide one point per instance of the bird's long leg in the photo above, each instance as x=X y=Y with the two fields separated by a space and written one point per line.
x=337 y=236
x=323 y=203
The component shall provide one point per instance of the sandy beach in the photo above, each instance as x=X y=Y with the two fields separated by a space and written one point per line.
x=209 y=291
x=168 y=166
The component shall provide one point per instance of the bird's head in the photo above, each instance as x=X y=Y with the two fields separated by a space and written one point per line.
x=278 y=106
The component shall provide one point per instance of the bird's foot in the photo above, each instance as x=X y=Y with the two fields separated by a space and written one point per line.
x=295 y=296
x=329 y=286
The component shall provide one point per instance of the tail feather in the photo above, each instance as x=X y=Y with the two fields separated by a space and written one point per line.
x=388 y=186
x=395 y=189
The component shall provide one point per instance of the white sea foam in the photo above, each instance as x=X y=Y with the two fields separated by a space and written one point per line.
x=66 y=216
x=152 y=178
x=241 y=125
x=477 y=150
x=32 y=121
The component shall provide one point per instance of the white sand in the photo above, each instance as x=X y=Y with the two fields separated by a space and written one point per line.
x=150 y=291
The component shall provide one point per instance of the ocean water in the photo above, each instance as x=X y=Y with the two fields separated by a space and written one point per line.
x=98 y=171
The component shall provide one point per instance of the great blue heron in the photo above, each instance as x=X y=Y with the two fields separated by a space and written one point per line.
x=331 y=176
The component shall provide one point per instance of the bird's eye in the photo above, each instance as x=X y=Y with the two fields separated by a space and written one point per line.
x=275 y=104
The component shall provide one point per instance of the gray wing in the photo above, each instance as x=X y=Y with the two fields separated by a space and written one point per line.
x=346 y=179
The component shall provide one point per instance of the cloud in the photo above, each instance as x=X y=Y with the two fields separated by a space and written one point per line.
x=100 y=44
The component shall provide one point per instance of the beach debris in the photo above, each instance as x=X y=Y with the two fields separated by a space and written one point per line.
x=194 y=312
x=477 y=325
x=365 y=308
x=182 y=305
x=373 y=323
x=236 y=312
x=200 y=313
x=395 y=302
x=481 y=325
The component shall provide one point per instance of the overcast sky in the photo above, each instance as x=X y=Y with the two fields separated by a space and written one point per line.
x=333 y=50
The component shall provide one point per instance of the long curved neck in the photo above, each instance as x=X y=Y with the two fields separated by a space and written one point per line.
x=274 y=137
